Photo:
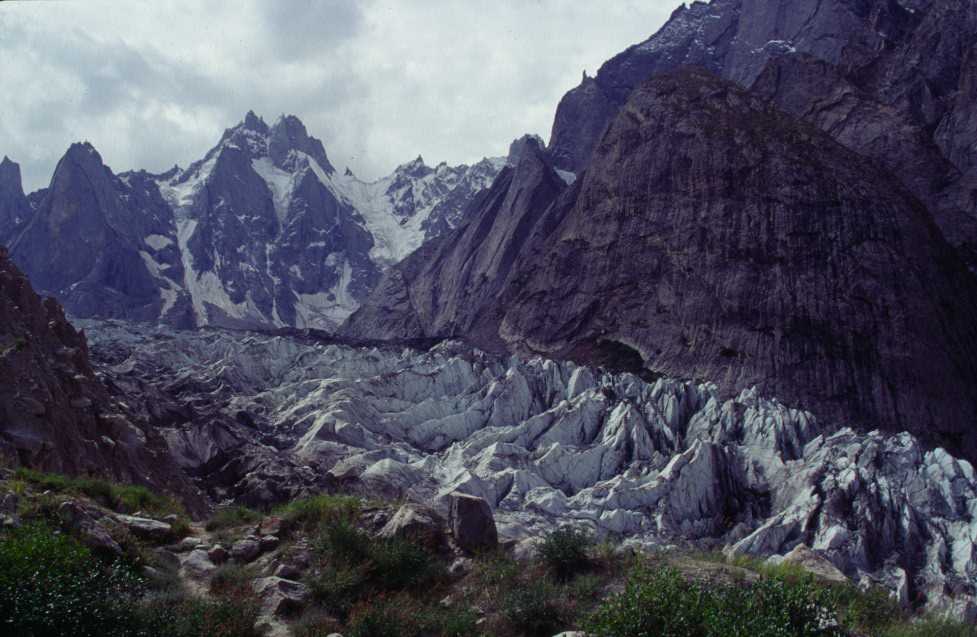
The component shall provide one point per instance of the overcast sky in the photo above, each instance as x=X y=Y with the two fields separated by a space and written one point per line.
x=151 y=84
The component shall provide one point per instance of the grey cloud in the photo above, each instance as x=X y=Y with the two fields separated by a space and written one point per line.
x=379 y=82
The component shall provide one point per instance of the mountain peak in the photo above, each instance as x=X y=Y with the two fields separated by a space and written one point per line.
x=255 y=123
x=519 y=147
x=288 y=134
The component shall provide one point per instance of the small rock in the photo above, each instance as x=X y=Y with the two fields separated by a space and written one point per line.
x=572 y=633
x=172 y=518
x=246 y=550
x=472 y=523
x=813 y=563
x=288 y=571
x=272 y=525
x=147 y=528
x=91 y=533
x=217 y=554
x=198 y=564
x=280 y=596
x=268 y=543
x=461 y=566
x=186 y=544
x=168 y=558
x=416 y=523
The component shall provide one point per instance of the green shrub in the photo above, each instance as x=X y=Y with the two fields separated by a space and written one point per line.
x=338 y=588
x=665 y=604
x=125 y=498
x=341 y=541
x=398 y=564
x=179 y=615
x=310 y=514
x=532 y=609
x=230 y=517
x=402 y=616
x=565 y=552
x=231 y=579
x=315 y=623
x=51 y=585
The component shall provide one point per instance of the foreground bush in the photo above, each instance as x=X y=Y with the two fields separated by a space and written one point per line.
x=565 y=553
x=125 y=498
x=51 y=585
x=666 y=605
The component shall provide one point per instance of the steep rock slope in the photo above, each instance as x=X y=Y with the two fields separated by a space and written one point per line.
x=723 y=240
x=891 y=80
x=55 y=414
x=445 y=288
x=88 y=241
x=15 y=210
x=548 y=443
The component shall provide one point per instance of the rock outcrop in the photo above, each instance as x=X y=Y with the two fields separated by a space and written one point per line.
x=55 y=414
x=15 y=210
x=890 y=80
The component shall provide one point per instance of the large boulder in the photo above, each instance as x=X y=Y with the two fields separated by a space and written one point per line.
x=472 y=523
x=280 y=596
x=811 y=562
x=147 y=528
x=77 y=519
x=246 y=550
x=416 y=523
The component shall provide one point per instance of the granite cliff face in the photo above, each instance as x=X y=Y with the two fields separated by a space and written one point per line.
x=719 y=239
x=261 y=232
x=448 y=287
x=890 y=80
x=15 y=210
x=55 y=413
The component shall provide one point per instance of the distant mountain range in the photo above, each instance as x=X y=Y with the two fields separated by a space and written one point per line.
x=261 y=232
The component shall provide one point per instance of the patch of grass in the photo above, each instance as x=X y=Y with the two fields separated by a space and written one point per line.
x=124 y=498
x=231 y=580
x=181 y=615
x=311 y=514
x=403 y=616
x=315 y=623
x=930 y=628
x=532 y=608
x=230 y=517
x=565 y=552
x=356 y=566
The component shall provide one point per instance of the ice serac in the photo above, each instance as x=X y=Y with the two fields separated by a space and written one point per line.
x=83 y=242
x=724 y=240
x=55 y=414
x=447 y=287
x=15 y=210
x=257 y=419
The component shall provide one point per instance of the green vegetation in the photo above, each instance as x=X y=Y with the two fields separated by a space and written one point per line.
x=784 y=601
x=124 y=498
x=565 y=552
x=50 y=585
x=356 y=567
x=230 y=517
x=311 y=514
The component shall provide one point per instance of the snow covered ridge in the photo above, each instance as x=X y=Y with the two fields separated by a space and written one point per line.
x=322 y=237
x=548 y=442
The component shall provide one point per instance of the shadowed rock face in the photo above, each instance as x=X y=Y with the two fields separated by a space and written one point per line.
x=723 y=240
x=83 y=242
x=14 y=207
x=449 y=286
x=892 y=80
x=55 y=415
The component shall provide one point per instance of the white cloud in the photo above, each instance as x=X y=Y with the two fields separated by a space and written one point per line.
x=380 y=81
